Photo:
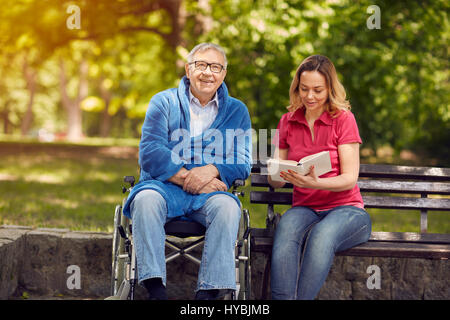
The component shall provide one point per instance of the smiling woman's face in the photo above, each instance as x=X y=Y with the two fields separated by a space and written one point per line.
x=204 y=84
x=313 y=90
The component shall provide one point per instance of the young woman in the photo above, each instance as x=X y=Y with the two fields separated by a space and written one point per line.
x=327 y=213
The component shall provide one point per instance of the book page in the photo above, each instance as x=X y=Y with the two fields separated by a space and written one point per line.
x=321 y=162
x=312 y=156
x=275 y=166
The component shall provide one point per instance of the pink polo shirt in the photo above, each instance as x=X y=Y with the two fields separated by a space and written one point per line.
x=294 y=134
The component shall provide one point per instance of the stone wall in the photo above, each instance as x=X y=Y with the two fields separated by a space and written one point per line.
x=36 y=261
x=400 y=279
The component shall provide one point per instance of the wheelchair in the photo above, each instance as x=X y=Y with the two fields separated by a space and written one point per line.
x=124 y=264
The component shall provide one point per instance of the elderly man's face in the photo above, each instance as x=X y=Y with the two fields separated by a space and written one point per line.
x=204 y=84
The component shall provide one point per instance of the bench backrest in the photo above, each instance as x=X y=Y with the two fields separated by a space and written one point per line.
x=382 y=186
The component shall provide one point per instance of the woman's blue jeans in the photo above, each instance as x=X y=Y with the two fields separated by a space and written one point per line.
x=305 y=243
x=220 y=215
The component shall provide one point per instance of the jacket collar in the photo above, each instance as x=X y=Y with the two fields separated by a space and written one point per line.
x=215 y=99
x=299 y=116
x=222 y=96
x=183 y=93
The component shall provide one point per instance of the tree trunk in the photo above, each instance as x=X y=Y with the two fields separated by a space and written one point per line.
x=173 y=8
x=205 y=20
x=5 y=116
x=178 y=15
x=30 y=78
x=105 y=125
x=72 y=106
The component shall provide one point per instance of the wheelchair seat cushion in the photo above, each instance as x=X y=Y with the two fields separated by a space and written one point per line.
x=184 y=228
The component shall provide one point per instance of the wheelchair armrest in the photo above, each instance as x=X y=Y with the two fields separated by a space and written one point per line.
x=129 y=179
x=238 y=183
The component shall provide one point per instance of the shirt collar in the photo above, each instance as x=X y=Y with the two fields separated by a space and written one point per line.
x=214 y=99
x=299 y=116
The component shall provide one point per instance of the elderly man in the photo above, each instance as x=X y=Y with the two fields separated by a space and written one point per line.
x=191 y=177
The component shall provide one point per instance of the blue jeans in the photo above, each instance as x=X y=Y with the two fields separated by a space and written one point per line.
x=220 y=215
x=305 y=243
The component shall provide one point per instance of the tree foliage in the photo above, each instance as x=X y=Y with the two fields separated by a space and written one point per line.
x=396 y=77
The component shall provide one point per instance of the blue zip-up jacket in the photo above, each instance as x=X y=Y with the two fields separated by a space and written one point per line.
x=166 y=147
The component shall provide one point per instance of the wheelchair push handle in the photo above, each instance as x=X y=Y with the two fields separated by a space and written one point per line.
x=236 y=184
x=128 y=179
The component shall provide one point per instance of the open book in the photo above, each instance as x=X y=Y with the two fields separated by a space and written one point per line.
x=321 y=162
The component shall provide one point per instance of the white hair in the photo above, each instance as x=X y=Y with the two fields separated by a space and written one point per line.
x=207 y=46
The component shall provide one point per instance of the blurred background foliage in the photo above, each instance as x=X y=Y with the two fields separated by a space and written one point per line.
x=96 y=81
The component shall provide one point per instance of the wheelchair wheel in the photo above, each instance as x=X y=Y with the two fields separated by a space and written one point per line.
x=120 y=273
x=115 y=250
x=243 y=256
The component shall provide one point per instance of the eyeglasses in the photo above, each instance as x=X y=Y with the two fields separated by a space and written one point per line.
x=202 y=65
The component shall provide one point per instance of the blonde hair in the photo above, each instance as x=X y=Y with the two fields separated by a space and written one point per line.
x=336 y=93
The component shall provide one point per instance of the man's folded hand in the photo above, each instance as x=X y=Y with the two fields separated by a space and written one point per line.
x=197 y=178
x=214 y=185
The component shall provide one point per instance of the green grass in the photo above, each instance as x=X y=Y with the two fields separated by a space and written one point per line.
x=75 y=190
x=77 y=186
x=88 y=141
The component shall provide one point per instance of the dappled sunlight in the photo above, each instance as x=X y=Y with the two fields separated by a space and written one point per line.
x=116 y=199
x=8 y=177
x=101 y=176
x=46 y=178
x=63 y=203
x=36 y=168
x=61 y=187
x=57 y=177
x=120 y=152
x=47 y=169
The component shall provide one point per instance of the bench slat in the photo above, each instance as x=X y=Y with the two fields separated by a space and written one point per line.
x=404 y=186
x=404 y=172
x=378 y=249
x=267 y=197
x=441 y=238
x=391 y=171
x=436 y=238
x=400 y=250
x=285 y=198
x=406 y=203
x=258 y=180
x=390 y=186
x=395 y=244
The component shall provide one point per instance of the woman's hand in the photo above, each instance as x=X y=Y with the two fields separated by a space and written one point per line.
x=346 y=180
x=308 y=181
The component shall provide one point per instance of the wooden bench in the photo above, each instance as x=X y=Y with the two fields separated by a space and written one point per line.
x=382 y=186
